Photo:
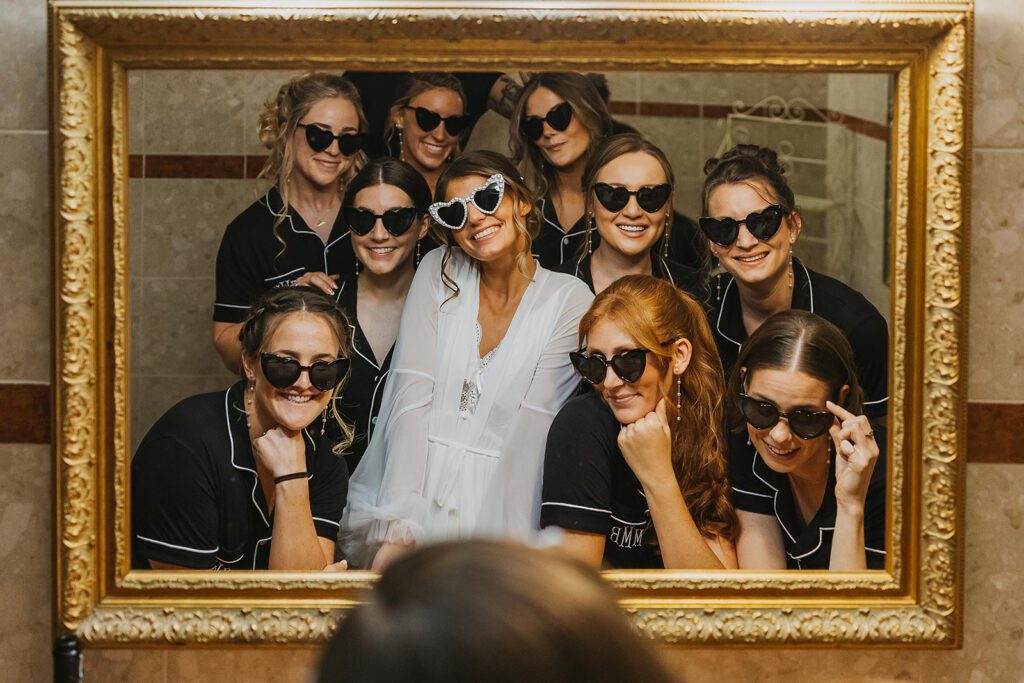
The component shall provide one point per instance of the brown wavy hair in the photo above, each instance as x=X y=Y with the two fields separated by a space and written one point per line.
x=486 y=163
x=651 y=311
x=270 y=311
x=797 y=341
x=281 y=116
x=587 y=104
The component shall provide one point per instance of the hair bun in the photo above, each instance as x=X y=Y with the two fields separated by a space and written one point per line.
x=765 y=156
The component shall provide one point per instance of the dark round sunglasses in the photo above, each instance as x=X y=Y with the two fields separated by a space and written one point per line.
x=628 y=365
x=558 y=117
x=428 y=120
x=807 y=424
x=397 y=221
x=283 y=372
x=319 y=139
x=650 y=198
x=762 y=224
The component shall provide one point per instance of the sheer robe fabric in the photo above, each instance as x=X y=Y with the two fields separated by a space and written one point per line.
x=432 y=472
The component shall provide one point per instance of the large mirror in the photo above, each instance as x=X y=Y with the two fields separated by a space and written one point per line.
x=177 y=159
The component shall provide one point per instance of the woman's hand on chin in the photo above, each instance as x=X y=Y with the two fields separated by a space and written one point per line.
x=647 y=447
x=281 y=451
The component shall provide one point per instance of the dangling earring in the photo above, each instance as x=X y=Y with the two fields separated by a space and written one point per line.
x=664 y=235
x=323 y=423
x=748 y=440
x=679 y=398
x=791 y=266
x=591 y=225
x=357 y=267
x=401 y=147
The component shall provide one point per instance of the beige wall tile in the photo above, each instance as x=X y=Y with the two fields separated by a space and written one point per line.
x=26 y=552
x=23 y=80
x=125 y=665
x=997 y=290
x=998 y=76
x=862 y=95
x=136 y=109
x=273 y=664
x=624 y=86
x=194 y=112
x=257 y=88
x=185 y=221
x=790 y=86
x=25 y=257
x=667 y=86
x=176 y=325
x=728 y=88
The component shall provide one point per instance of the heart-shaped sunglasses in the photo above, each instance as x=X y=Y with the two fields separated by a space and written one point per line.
x=452 y=214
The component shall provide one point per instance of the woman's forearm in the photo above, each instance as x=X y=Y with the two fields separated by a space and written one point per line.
x=295 y=544
x=848 y=541
x=682 y=545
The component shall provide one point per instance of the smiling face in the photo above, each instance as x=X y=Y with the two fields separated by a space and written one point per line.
x=561 y=149
x=749 y=260
x=631 y=231
x=628 y=401
x=427 y=151
x=781 y=449
x=378 y=250
x=307 y=338
x=323 y=169
x=486 y=237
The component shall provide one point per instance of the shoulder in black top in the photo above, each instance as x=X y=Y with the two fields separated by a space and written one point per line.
x=359 y=401
x=685 y=278
x=834 y=301
x=252 y=260
x=588 y=486
x=758 y=488
x=554 y=245
x=196 y=498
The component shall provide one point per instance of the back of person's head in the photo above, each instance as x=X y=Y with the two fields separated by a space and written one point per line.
x=797 y=341
x=488 y=611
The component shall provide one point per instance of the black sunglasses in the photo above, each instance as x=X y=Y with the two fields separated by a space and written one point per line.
x=397 y=221
x=319 y=139
x=650 y=197
x=762 y=224
x=283 y=372
x=807 y=424
x=628 y=365
x=428 y=120
x=558 y=117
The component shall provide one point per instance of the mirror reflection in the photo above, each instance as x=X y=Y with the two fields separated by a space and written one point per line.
x=640 y=315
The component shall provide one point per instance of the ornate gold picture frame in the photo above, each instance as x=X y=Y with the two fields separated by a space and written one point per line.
x=926 y=46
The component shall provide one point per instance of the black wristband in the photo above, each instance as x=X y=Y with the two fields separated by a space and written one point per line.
x=289 y=477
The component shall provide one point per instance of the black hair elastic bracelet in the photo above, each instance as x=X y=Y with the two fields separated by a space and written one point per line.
x=289 y=477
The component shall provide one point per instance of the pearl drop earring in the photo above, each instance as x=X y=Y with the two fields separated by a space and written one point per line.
x=679 y=398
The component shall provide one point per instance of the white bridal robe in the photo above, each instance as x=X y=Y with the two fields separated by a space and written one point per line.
x=435 y=470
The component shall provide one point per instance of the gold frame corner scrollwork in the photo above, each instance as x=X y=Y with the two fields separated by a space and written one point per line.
x=927 y=46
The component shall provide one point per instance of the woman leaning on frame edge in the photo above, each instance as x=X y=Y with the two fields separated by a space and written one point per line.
x=928 y=51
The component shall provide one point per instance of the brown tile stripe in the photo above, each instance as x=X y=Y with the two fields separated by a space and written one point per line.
x=26 y=413
x=224 y=166
x=992 y=432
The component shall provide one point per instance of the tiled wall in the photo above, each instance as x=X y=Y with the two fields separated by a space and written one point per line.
x=994 y=639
